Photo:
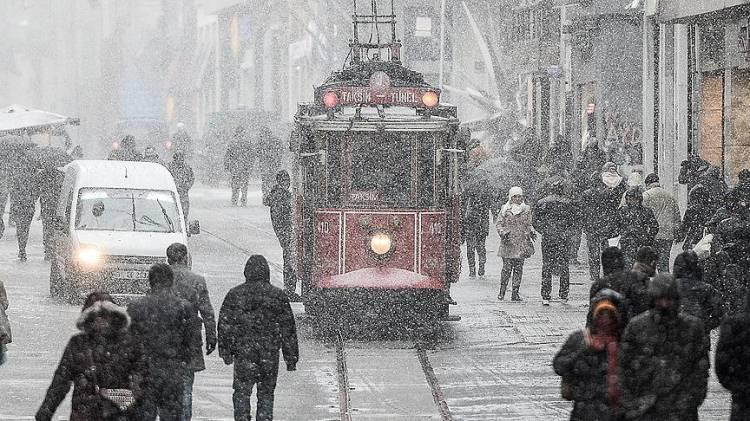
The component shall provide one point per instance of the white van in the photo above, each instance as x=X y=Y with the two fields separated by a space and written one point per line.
x=114 y=220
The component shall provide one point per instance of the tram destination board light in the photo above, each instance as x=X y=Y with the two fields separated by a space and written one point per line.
x=330 y=99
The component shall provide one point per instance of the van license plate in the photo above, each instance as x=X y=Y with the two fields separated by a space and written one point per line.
x=131 y=274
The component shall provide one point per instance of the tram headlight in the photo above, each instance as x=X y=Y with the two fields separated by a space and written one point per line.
x=330 y=99
x=381 y=244
x=430 y=99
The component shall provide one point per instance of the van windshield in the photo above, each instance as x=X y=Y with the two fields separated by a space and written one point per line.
x=127 y=210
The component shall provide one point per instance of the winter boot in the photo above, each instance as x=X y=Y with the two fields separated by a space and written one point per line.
x=503 y=288
x=480 y=272
x=472 y=271
x=516 y=296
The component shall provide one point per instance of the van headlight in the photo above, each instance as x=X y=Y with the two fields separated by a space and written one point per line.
x=381 y=244
x=89 y=257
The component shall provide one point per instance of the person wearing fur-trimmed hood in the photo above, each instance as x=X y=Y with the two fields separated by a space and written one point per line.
x=514 y=227
x=103 y=355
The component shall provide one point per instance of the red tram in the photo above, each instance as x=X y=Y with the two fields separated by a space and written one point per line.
x=378 y=162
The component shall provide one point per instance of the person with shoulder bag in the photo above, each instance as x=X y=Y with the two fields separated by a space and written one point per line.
x=516 y=241
x=104 y=363
x=588 y=362
x=6 y=336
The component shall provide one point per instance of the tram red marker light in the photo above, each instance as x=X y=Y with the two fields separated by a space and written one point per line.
x=430 y=99
x=330 y=99
x=381 y=244
x=115 y=145
x=168 y=144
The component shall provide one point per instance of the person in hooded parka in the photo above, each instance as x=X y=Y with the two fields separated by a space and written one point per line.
x=514 y=227
x=733 y=361
x=698 y=298
x=696 y=218
x=587 y=362
x=103 y=355
x=730 y=255
x=636 y=225
x=255 y=322
x=663 y=359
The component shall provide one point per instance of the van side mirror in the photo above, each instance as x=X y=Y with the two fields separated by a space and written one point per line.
x=194 y=227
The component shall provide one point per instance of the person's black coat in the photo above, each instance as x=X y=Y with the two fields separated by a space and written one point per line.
x=255 y=322
x=192 y=288
x=733 y=362
x=183 y=178
x=24 y=190
x=165 y=325
x=663 y=367
x=119 y=364
x=585 y=370
x=637 y=226
x=280 y=202
x=476 y=222
x=633 y=285
x=554 y=217
x=239 y=158
x=701 y=300
x=49 y=182
x=614 y=281
x=696 y=218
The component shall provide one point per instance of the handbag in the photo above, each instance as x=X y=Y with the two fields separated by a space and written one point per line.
x=528 y=249
x=122 y=399
x=6 y=336
x=703 y=247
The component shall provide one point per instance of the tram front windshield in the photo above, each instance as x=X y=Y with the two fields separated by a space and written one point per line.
x=381 y=170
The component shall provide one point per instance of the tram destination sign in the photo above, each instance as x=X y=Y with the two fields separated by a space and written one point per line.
x=354 y=95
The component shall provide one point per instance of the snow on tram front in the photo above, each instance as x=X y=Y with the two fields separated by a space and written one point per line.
x=376 y=188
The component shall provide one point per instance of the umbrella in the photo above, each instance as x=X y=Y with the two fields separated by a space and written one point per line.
x=18 y=119
x=497 y=175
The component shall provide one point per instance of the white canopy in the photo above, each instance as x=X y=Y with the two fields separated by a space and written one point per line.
x=17 y=118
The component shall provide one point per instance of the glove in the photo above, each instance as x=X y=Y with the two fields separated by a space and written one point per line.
x=291 y=366
x=210 y=346
x=228 y=359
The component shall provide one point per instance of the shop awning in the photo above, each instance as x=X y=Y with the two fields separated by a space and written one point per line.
x=17 y=119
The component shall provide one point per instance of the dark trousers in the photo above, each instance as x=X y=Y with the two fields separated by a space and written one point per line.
x=185 y=202
x=512 y=269
x=3 y=202
x=290 y=277
x=187 y=395
x=23 y=225
x=555 y=255
x=248 y=374
x=165 y=393
x=664 y=248
x=239 y=189
x=575 y=243
x=596 y=245
x=48 y=231
x=476 y=249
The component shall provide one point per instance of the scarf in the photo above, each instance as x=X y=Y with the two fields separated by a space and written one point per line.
x=608 y=341
x=514 y=208
x=611 y=179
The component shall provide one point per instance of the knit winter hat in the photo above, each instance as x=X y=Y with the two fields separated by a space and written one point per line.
x=602 y=306
x=515 y=191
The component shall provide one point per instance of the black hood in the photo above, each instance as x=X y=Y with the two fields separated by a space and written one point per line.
x=686 y=266
x=664 y=285
x=256 y=269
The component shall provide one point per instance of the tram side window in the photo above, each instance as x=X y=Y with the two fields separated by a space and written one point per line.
x=380 y=170
x=334 y=188
x=426 y=192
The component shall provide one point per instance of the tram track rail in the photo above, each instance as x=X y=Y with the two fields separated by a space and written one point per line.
x=346 y=409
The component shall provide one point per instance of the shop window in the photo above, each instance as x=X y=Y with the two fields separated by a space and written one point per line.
x=738 y=151
x=711 y=118
x=712 y=45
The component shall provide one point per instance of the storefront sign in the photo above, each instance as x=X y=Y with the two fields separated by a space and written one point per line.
x=743 y=39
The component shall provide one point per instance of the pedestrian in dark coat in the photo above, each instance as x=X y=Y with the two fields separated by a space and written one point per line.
x=633 y=286
x=554 y=217
x=150 y=155
x=613 y=267
x=730 y=255
x=23 y=196
x=733 y=361
x=587 y=362
x=516 y=235
x=182 y=142
x=636 y=225
x=49 y=181
x=192 y=288
x=164 y=324
x=599 y=207
x=696 y=218
x=183 y=179
x=697 y=297
x=255 y=322
x=279 y=200
x=476 y=228
x=270 y=155
x=4 y=193
x=664 y=359
x=239 y=161
x=126 y=151
x=104 y=355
